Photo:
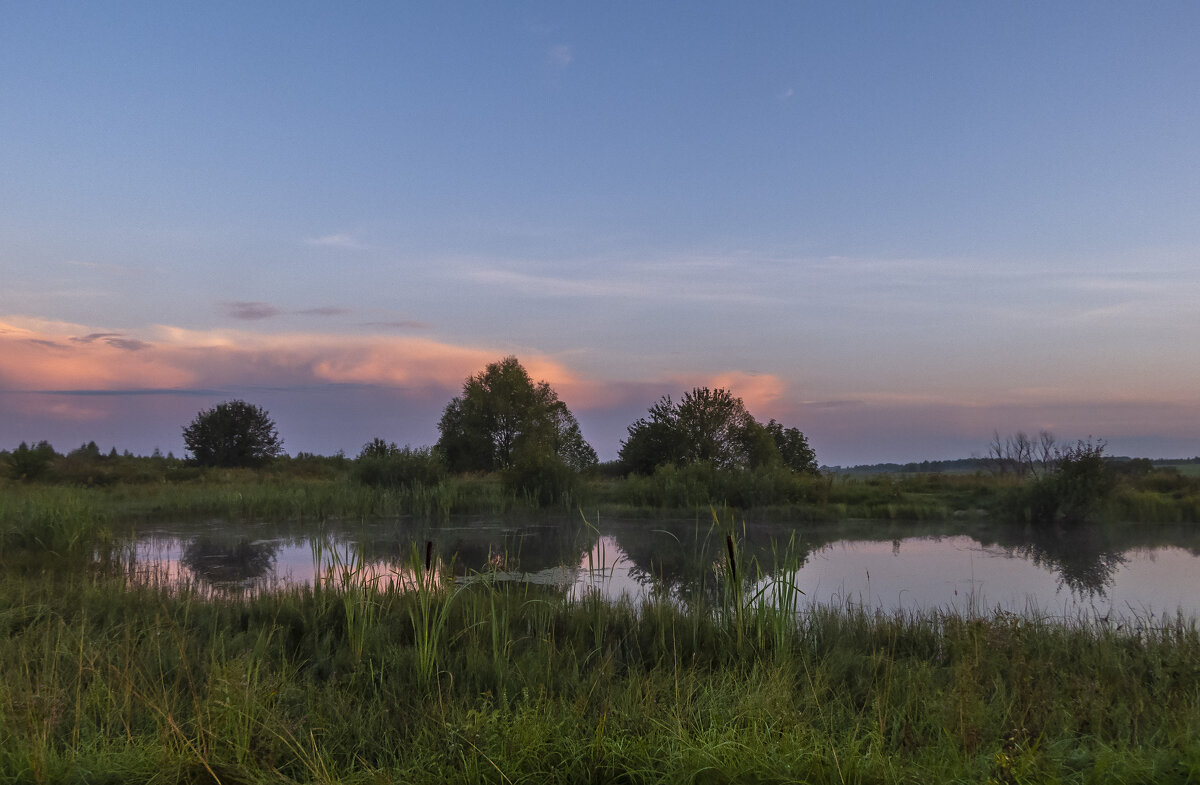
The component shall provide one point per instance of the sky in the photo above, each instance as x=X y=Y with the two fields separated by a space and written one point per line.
x=897 y=227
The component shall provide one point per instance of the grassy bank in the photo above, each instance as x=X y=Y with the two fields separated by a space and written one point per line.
x=58 y=514
x=101 y=681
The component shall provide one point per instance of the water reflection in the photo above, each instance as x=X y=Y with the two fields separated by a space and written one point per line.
x=243 y=562
x=889 y=567
x=1085 y=565
x=690 y=562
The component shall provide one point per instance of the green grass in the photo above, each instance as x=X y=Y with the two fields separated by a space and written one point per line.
x=420 y=679
x=317 y=489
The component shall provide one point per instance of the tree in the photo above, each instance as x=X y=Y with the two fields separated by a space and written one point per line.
x=502 y=415
x=654 y=440
x=234 y=433
x=31 y=463
x=1082 y=480
x=711 y=426
x=1021 y=455
x=1063 y=484
x=793 y=448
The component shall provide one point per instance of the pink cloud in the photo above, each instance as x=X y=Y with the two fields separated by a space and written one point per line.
x=39 y=355
x=759 y=391
x=396 y=385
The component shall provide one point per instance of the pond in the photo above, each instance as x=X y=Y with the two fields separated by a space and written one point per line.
x=1110 y=572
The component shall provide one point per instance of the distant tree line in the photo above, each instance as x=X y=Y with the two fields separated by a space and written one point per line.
x=704 y=447
x=503 y=422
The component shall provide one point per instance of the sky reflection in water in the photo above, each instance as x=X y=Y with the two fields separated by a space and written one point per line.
x=1130 y=572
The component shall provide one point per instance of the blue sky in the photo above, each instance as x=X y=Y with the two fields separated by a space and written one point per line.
x=897 y=227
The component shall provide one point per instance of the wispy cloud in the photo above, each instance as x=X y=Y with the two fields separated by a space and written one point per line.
x=707 y=280
x=113 y=269
x=560 y=56
x=95 y=337
x=325 y=310
x=552 y=286
x=257 y=310
x=116 y=340
x=346 y=241
x=250 y=311
x=400 y=324
x=128 y=344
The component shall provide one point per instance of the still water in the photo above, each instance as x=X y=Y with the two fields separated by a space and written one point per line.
x=1112 y=572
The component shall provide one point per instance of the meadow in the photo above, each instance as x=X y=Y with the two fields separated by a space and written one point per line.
x=422 y=678
x=427 y=680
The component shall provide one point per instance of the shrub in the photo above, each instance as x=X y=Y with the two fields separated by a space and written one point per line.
x=381 y=464
x=31 y=463
x=1073 y=492
x=542 y=478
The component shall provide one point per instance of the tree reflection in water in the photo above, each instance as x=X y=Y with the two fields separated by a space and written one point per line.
x=222 y=563
x=1084 y=558
x=689 y=562
x=682 y=560
x=528 y=548
x=1084 y=565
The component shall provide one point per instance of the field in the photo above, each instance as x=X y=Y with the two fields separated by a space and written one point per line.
x=103 y=681
x=424 y=679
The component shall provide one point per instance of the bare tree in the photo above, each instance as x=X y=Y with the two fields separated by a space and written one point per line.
x=1022 y=455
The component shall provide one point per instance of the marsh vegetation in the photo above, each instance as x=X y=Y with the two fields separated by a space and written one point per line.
x=415 y=674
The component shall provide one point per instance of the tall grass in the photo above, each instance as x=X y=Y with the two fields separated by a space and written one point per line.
x=361 y=680
x=55 y=521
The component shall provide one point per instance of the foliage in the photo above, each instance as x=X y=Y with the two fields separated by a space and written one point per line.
x=543 y=479
x=706 y=425
x=501 y=413
x=1074 y=484
x=383 y=464
x=233 y=433
x=31 y=463
x=1083 y=480
x=793 y=448
x=712 y=426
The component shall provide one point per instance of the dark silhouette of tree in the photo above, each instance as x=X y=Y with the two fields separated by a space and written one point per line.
x=234 y=433
x=1064 y=484
x=31 y=463
x=711 y=426
x=793 y=447
x=502 y=416
x=654 y=439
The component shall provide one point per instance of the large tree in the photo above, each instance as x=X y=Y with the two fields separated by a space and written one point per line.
x=502 y=415
x=233 y=433
x=711 y=425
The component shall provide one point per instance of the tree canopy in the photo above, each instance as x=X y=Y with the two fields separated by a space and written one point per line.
x=503 y=416
x=711 y=425
x=233 y=433
x=794 y=449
